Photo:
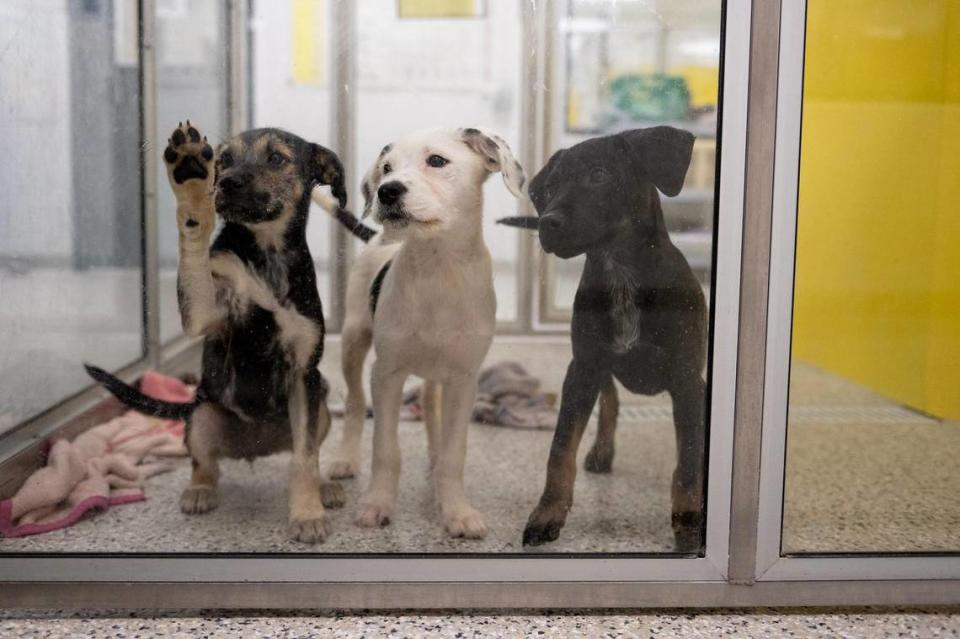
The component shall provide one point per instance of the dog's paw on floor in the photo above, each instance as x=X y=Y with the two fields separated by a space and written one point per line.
x=465 y=523
x=544 y=524
x=342 y=469
x=332 y=494
x=599 y=459
x=198 y=499
x=309 y=531
x=373 y=513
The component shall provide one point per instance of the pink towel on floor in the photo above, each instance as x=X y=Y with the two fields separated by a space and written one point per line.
x=103 y=466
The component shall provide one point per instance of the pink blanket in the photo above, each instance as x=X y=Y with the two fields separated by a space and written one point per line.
x=102 y=467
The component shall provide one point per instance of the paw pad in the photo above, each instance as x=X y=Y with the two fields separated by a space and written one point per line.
x=188 y=154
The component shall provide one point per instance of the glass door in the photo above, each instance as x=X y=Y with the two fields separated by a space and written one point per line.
x=599 y=452
x=861 y=421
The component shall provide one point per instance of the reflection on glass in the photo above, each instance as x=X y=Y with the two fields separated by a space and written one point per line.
x=70 y=231
x=617 y=437
x=874 y=408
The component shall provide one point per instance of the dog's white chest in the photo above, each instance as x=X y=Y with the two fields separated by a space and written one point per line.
x=625 y=314
x=437 y=326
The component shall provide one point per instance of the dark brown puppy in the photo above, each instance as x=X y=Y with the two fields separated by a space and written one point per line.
x=252 y=295
x=639 y=314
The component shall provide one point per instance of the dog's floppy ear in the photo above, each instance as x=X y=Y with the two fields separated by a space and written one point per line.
x=539 y=179
x=368 y=188
x=663 y=153
x=497 y=156
x=325 y=168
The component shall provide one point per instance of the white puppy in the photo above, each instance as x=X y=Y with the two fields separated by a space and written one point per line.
x=422 y=292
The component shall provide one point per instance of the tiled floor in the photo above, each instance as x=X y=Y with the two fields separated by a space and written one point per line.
x=872 y=624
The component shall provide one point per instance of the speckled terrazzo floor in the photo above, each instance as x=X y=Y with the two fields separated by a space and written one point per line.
x=871 y=624
x=863 y=474
x=627 y=511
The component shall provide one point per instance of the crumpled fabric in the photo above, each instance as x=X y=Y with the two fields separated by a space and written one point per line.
x=507 y=395
x=104 y=466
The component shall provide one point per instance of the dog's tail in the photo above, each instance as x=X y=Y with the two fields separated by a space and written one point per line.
x=330 y=204
x=521 y=221
x=136 y=400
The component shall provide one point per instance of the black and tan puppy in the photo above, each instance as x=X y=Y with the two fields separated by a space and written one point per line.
x=252 y=294
x=639 y=315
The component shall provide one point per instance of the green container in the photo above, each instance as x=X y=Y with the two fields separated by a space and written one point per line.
x=651 y=96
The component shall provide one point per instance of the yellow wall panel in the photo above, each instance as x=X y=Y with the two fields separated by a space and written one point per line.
x=308 y=60
x=877 y=297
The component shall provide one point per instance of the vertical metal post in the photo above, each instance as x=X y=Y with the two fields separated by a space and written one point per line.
x=530 y=105
x=754 y=287
x=550 y=100
x=343 y=87
x=149 y=155
x=238 y=65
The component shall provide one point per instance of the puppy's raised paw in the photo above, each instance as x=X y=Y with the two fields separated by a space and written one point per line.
x=188 y=156
x=309 y=531
x=332 y=494
x=196 y=500
x=189 y=159
x=466 y=523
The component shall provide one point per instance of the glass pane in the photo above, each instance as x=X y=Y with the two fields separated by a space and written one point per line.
x=509 y=438
x=191 y=58
x=70 y=218
x=874 y=409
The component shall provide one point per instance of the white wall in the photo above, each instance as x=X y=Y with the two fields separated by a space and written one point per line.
x=35 y=174
x=411 y=74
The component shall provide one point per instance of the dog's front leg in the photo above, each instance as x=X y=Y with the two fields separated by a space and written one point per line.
x=377 y=504
x=689 y=396
x=205 y=433
x=459 y=518
x=189 y=160
x=309 y=423
x=580 y=389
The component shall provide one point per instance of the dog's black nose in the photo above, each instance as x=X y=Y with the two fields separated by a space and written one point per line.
x=232 y=182
x=551 y=221
x=390 y=192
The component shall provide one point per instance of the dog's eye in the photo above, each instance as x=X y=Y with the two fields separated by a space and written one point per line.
x=437 y=161
x=598 y=175
x=276 y=159
x=226 y=159
x=387 y=168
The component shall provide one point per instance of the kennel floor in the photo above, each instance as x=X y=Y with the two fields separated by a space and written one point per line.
x=863 y=474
